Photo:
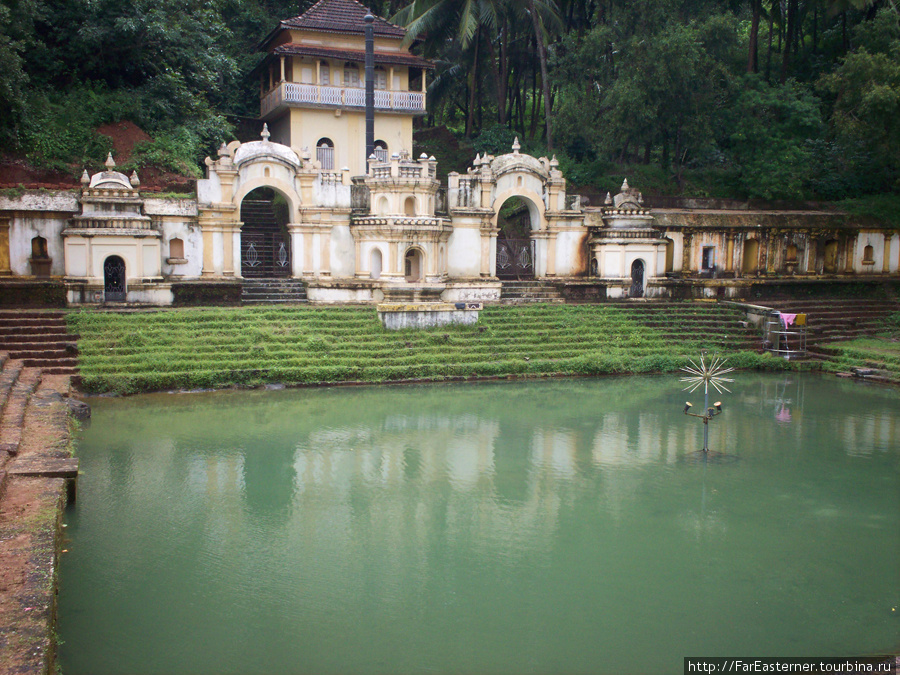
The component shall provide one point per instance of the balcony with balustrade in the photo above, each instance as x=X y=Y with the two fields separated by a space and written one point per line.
x=296 y=95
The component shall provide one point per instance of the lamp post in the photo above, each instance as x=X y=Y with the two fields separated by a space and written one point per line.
x=706 y=373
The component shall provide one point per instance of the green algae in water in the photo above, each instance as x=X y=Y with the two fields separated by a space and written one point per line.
x=528 y=527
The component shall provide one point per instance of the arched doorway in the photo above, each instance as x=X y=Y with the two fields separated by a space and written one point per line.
x=515 y=247
x=637 y=279
x=751 y=257
x=413 y=265
x=265 y=242
x=114 y=279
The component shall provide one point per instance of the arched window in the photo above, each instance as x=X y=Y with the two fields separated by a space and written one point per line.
x=375 y=260
x=868 y=255
x=381 y=152
x=324 y=73
x=39 y=249
x=380 y=78
x=791 y=254
x=384 y=206
x=409 y=206
x=176 y=248
x=670 y=256
x=351 y=75
x=325 y=153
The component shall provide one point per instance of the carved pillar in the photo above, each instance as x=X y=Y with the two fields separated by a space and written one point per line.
x=850 y=252
x=886 y=253
x=763 y=253
x=5 y=262
x=687 y=253
x=729 y=251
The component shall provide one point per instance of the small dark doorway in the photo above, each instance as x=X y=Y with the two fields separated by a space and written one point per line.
x=515 y=247
x=637 y=279
x=265 y=241
x=114 y=279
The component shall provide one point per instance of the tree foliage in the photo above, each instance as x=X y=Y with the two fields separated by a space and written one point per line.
x=741 y=98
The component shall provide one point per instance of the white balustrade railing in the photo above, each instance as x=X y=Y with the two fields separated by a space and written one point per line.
x=350 y=97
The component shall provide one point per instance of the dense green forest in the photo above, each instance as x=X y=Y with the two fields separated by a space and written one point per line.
x=774 y=99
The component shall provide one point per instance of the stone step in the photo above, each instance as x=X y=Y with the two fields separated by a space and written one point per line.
x=12 y=320
x=31 y=330
x=55 y=362
x=12 y=368
x=19 y=337
x=25 y=342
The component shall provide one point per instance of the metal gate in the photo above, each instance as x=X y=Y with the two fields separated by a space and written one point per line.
x=114 y=279
x=515 y=258
x=265 y=255
x=637 y=279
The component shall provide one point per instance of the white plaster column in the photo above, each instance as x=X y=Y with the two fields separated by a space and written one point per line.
x=236 y=250
x=325 y=253
x=296 y=251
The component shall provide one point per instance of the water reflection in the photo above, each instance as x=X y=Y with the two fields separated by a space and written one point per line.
x=525 y=521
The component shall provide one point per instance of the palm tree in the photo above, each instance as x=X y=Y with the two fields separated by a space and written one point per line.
x=462 y=21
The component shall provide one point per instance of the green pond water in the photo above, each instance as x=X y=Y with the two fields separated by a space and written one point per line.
x=512 y=527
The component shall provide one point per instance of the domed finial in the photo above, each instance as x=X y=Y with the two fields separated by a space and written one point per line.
x=223 y=149
x=265 y=133
x=625 y=185
x=515 y=146
x=110 y=162
x=134 y=180
x=608 y=199
x=368 y=18
x=85 y=178
x=554 y=161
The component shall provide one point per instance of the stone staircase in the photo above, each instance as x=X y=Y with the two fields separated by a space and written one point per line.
x=39 y=340
x=834 y=320
x=36 y=472
x=275 y=291
x=520 y=292
x=679 y=321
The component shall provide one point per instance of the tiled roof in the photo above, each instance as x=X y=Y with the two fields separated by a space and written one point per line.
x=385 y=58
x=342 y=16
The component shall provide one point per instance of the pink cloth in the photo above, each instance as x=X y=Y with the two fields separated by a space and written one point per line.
x=788 y=319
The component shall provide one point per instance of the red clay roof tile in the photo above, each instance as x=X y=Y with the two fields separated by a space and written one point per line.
x=342 y=16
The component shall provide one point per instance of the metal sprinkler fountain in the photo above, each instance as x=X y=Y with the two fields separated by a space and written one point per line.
x=706 y=374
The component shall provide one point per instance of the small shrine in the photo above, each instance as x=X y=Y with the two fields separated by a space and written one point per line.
x=111 y=246
x=627 y=252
